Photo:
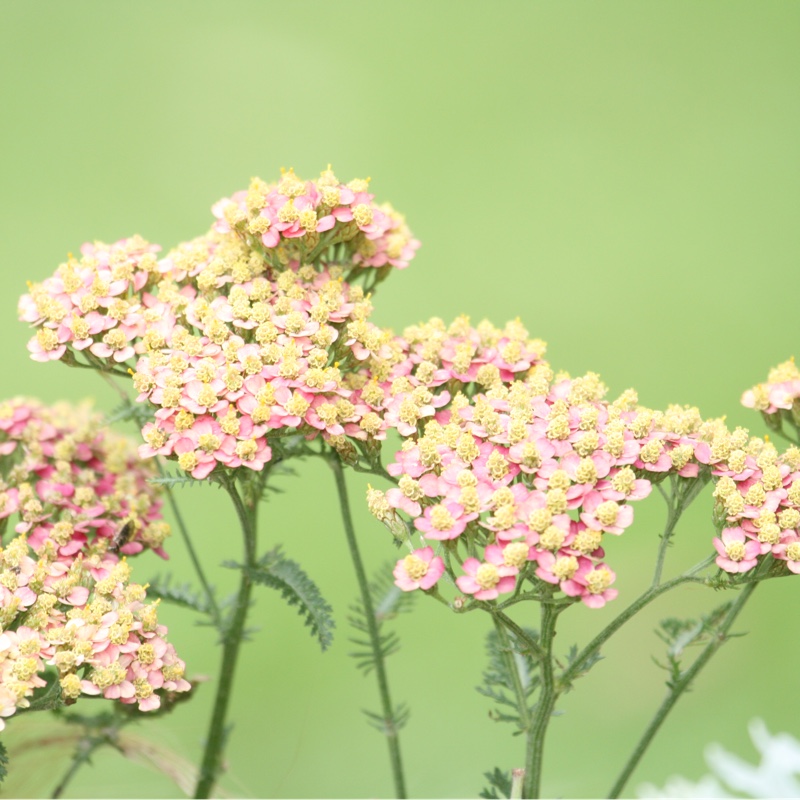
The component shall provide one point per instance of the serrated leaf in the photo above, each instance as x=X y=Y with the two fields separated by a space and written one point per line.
x=387 y=601
x=177 y=481
x=500 y=683
x=499 y=785
x=3 y=762
x=281 y=573
x=388 y=727
x=181 y=594
x=128 y=411
x=48 y=701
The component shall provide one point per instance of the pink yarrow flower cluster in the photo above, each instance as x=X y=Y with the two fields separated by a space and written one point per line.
x=105 y=306
x=297 y=219
x=757 y=496
x=88 y=622
x=80 y=497
x=245 y=361
x=73 y=485
x=778 y=399
x=93 y=305
x=536 y=468
x=243 y=334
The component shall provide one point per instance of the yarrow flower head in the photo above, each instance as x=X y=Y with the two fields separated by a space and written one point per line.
x=66 y=601
x=757 y=499
x=243 y=334
x=94 y=305
x=778 y=399
x=87 y=624
x=73 y=486
x=299 y=220
x=418 y=570
x=540 y=469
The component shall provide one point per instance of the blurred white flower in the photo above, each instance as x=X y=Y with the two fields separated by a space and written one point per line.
x=778 y=774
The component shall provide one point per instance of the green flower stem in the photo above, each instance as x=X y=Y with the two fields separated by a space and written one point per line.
x=390 y=730
x=543 y=711
x=96 y=364
x=679 y=687
x=83 y=753
x=232 y=636
x=173 y=504
x=591 y=649
x=682 y=496
x=673 y=515
x=511 y=665
x=522 y=636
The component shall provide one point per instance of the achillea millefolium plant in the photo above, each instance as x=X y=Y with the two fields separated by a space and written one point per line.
x=251 y=346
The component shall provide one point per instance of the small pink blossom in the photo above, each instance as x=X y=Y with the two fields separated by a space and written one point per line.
x=486 y=581
x=419 y=570
x=737 y=553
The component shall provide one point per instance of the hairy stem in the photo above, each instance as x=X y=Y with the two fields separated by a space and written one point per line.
x=543 y=711
x=392 y=734
x=231 y=641
x=532 y=645
x=718 y=638
x=511 y=665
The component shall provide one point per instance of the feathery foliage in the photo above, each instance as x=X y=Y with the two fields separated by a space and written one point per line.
x=678 y=634
x=281 y=573
x=3 y=762
x=387 y=601
x=389 y=727
x=499 y=785
x=127 y=411
x=180 y=594
x=500 y=683
x=171 y=481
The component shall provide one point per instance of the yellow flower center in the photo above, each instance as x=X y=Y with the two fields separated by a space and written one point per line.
x=565 y=567
x=441 y=518
x=607 y=513
x=362 y=214
x=415 y=567
x=515 y=554
x=735 y=551
x=487 y=576
x=587 y=541
x=552 y=538
x=598 y=580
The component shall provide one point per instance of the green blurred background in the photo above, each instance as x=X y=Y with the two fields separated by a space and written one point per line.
x=623 y=176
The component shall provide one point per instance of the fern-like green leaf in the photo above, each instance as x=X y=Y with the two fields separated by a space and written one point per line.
x=281 y=573
x=680 y=634
x=128 y=411
x=3 y=762
x=387 y=601
x=180 y=594
x=499 y=683
x=177 y=481
x=499 y=785
x=389 y=727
